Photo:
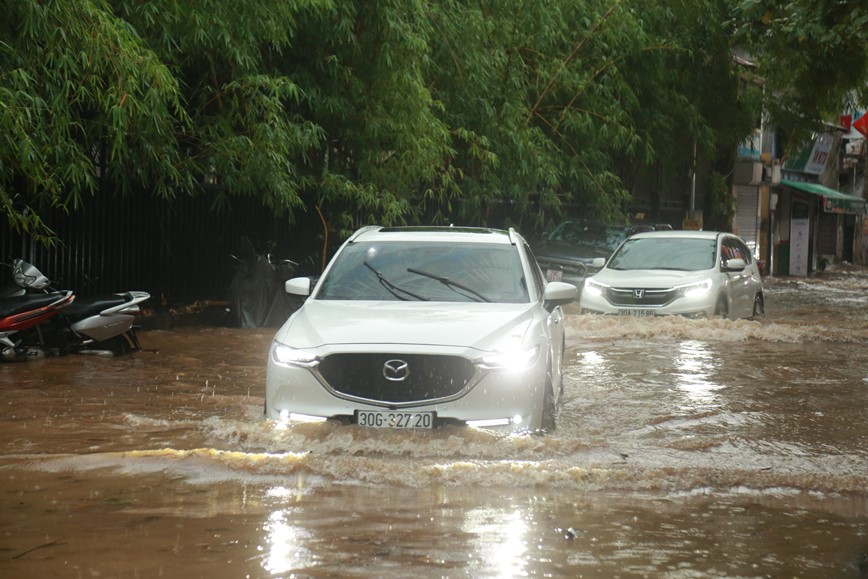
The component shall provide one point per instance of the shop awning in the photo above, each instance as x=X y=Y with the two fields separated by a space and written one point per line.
x=833 y=201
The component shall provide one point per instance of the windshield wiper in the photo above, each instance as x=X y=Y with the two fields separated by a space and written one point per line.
x=453 y=285
x=392 y=288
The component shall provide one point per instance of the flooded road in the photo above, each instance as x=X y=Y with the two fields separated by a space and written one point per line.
x=685 y=448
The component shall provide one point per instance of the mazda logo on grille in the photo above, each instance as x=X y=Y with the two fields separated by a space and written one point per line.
x=396 y=370
x=638 y=294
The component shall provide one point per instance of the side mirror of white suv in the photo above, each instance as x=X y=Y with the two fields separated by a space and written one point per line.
x=735 y=264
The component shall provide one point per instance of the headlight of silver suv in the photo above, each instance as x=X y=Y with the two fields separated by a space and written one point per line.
x=594 y=288
x=695 y=290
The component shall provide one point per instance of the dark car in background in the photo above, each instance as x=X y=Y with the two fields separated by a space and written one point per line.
x=568 y=252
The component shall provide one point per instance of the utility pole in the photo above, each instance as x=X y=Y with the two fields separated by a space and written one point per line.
x=693 y=184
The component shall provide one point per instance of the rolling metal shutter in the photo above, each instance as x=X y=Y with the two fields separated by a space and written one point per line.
x=747 y=216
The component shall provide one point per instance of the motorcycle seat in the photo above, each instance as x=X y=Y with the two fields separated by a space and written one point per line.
x=19 y=304
x=88 y=306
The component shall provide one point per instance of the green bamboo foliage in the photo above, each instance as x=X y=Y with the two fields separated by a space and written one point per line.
x=370 y=110
x=82 y=102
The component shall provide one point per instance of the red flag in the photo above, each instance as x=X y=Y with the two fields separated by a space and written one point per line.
x=861 y=124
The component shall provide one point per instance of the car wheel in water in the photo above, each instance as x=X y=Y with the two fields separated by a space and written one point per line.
x=722 y=308
x=759 y=307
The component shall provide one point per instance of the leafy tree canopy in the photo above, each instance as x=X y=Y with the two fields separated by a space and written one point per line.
x=374 y=111
x=83 y=101
x=813 y=56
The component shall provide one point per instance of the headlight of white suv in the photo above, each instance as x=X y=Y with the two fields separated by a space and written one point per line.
x=283 y=354
x=695 y=290
x=594 y=288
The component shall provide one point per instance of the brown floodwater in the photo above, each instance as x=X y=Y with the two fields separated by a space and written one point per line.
x=684 y=449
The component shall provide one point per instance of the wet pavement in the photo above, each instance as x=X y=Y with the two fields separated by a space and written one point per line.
x=685 y=448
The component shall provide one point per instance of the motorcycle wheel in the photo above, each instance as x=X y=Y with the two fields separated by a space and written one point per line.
x=118 y=345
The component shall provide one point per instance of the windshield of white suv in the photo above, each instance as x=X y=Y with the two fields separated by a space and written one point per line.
x=677 y=253
x=426 y=271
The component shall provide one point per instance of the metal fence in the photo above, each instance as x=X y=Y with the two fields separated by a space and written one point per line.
x=179 y=252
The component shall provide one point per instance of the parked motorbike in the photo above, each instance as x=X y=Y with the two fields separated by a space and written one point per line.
x=20 y=317
x=87 y=325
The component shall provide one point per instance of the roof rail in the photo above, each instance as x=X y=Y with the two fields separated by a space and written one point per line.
x=362 y=230
x=513 y=236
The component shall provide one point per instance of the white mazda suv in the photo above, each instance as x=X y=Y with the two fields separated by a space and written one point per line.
x=423 y=327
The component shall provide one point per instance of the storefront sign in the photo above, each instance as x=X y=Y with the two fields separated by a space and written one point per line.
x=832 y=205
x=812 y=159
x=799 y=228
x=749 y=149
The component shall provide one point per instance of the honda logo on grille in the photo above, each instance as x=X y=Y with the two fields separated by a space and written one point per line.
x=396 y=370
x=638 y=294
